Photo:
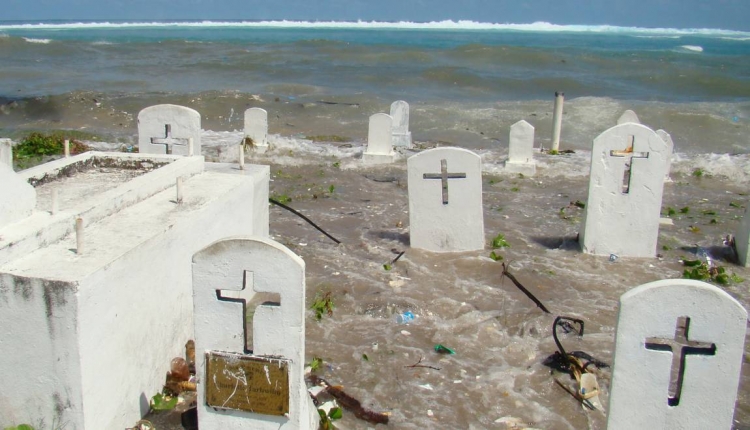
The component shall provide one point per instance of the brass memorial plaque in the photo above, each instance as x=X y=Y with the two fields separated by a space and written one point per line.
x=247 y=383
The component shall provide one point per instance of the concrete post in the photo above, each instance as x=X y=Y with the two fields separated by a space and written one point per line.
x=66 y=148
x=179 y=189
x=557 y=120
x=242 y=156
x=79 y=236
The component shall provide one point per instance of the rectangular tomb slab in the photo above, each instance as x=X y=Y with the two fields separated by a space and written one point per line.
x=100 y=327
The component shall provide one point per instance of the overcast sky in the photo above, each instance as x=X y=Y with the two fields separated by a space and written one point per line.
x=724 y=14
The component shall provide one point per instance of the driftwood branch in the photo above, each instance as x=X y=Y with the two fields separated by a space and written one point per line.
x=350 y=403
x=304 y=218
x=522 y=288
x=426 y=366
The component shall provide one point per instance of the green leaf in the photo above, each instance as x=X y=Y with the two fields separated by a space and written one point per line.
x=500 y=242
x=316 y=363
x=735 y=205
x=162 y=402
x=495 y=256
x=685 y=210
x=387 y=266
x=335 y=414
x=365 y=357
x=691 y=263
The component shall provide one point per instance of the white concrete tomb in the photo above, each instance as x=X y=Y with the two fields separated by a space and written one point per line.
x=263 y=378
x=87 y=337
x=670 y=150
x=628 y=116
x=401 y=133
x=678 y=354
x=521 y=149
x=167 y=129
x=379 y=140
x=17 y=197
x=256 y=128
x=625 y=192
x=445 y=200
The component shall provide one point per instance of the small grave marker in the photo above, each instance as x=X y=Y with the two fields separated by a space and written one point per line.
x=445 y=216
x=167 y=129
x=625 y=192
x=256 y=128
x=379 y=140
x=678 y=355
x=668 y=155
x=521 y=149
x=628 y=117
x=400 y=114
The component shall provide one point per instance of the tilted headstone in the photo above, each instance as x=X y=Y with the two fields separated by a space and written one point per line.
x=401 y=133
x=379 y=140
x=17 y=197
x=521 y=149
x=670 y=150
x=6 y=152
x=625 y=192
x=678 y=354
x=166 y=129
x=627 y=117
x=445 y=200
x=742 y=239
x=256 y=128
x=258 y=384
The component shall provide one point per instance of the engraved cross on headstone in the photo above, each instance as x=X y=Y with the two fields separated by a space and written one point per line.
x=680 y=346
x=242 y=296
x=444 y=176
x=168 y=141
x=630 y=155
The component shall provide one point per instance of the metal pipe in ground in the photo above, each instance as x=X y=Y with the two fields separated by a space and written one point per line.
x=557 y=120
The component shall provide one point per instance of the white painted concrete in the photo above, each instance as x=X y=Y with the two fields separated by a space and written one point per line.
x=172 y=123
x=99 y=329
x=670 y=150
x=379 y=140
x=256 y=128
x=628 y=116
x=17 y=197
x=742 y=239
x=616 y=220
x=521 y=149
x=41 y=228
x=445 y=215
x=401 y=134
x=261 y=265
x=6 y=152
x=641 y=376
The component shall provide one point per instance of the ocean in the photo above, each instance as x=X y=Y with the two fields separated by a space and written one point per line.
x=466 y=83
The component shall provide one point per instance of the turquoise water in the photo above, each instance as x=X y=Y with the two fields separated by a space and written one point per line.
x=450 y=60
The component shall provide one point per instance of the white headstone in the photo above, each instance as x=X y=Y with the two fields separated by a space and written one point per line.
x=379 y=140
x=670 y=149
x=401 y=133
x=628 y=116
x=226 y=275
x=6 y=152
x=678 y=354
x=521 y=149
x=625 y=192
x=445 y=200
x=742 y=239
x=256 y=128
x=165 y=129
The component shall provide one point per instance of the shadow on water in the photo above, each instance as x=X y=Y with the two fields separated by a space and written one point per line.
x=390 y=235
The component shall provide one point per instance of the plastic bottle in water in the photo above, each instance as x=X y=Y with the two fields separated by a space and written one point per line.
x=405 y=317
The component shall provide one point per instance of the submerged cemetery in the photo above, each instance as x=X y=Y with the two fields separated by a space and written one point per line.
x=387 y=282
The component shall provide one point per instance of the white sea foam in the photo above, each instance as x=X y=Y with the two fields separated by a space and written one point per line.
x=441 y=25
x=42 y=41
x=694 y=48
